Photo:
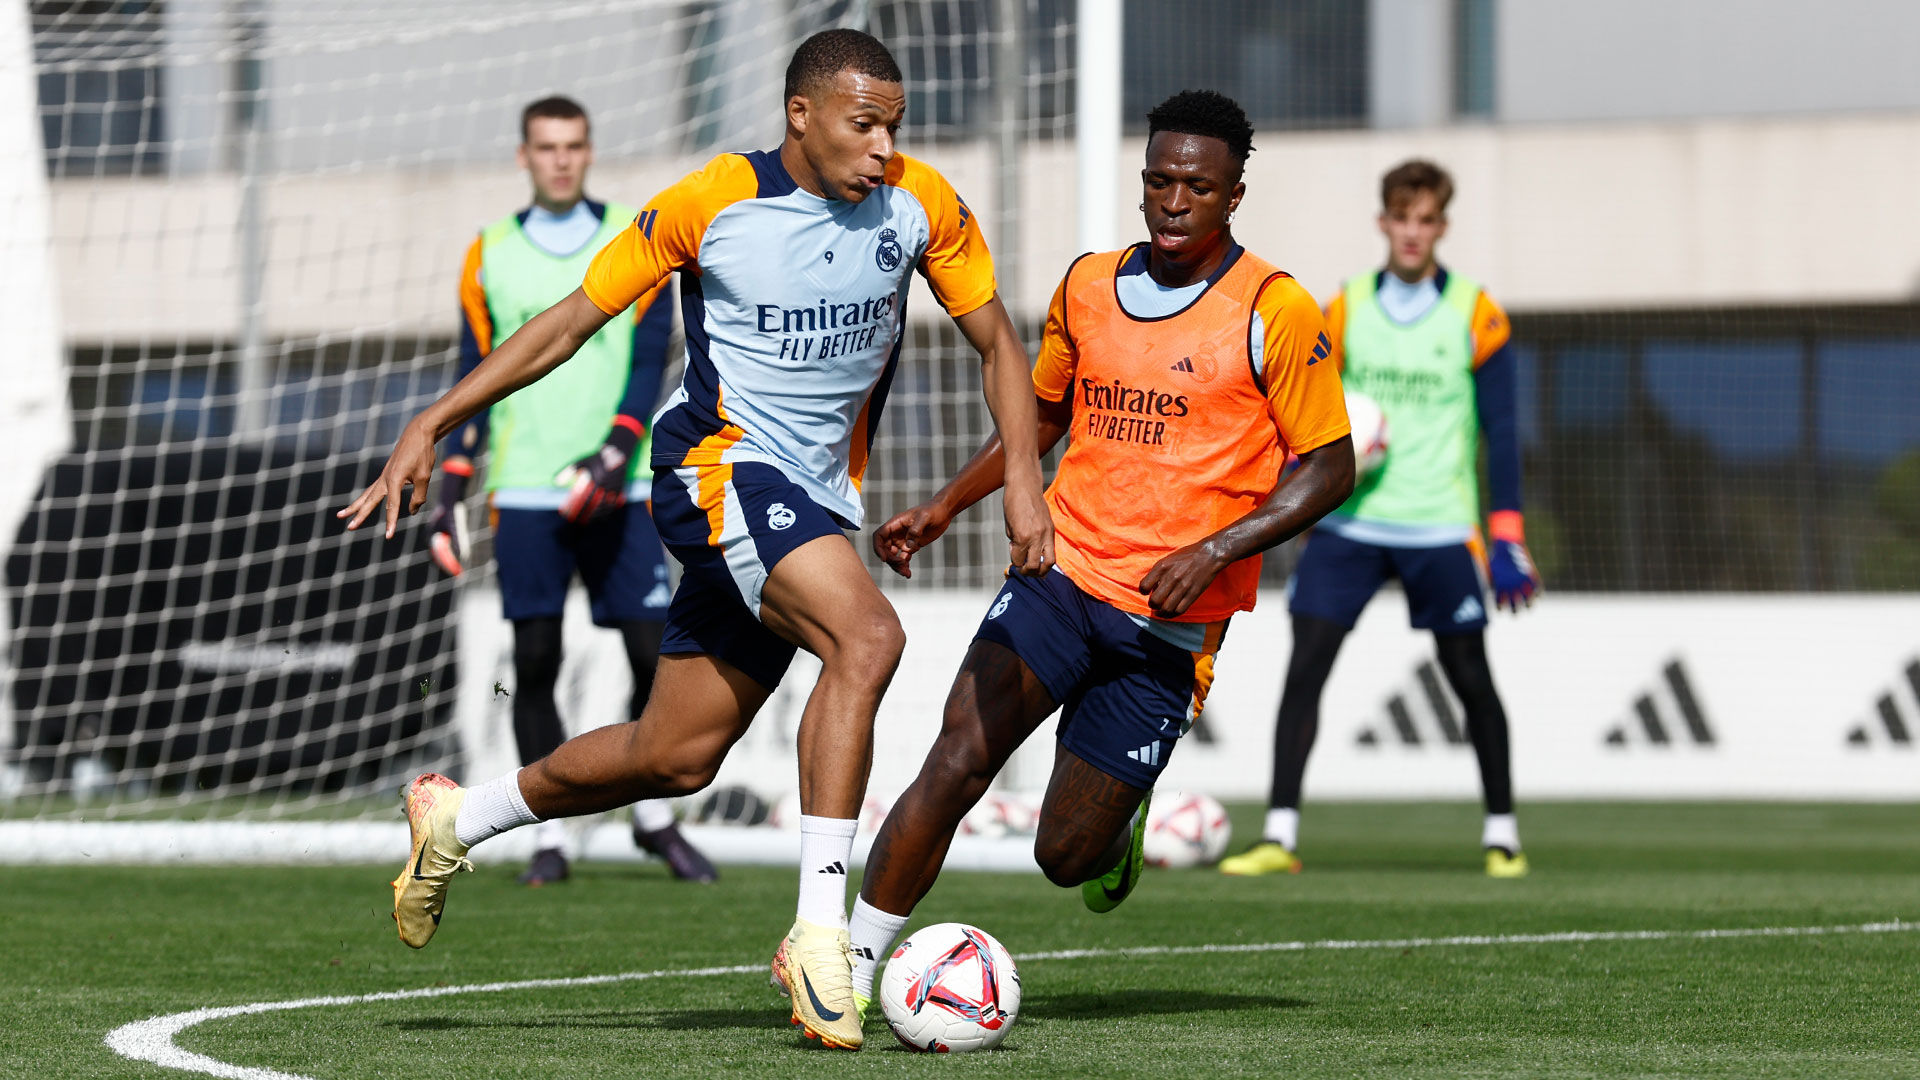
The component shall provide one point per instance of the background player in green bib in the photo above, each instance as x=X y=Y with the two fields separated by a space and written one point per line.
x=567 y=479
x=1430 y=347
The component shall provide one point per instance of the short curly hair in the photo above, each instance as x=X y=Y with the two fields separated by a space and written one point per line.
x=1208 y=113
x=830 y=52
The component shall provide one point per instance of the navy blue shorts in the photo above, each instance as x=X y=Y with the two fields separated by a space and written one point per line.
x=729 y=525
x=1129 y=693
x=618 y=556
x=1445 y=586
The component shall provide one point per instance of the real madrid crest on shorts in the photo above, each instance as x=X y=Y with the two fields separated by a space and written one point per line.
x=888 y=255
x=1000 y=605
x=779 y=517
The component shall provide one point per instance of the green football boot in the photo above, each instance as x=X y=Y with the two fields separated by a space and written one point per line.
x=1105 y=893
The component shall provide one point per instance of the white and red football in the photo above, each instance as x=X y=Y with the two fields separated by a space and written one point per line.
x=1185 y=830
x=1369 y=434
x=950 y=988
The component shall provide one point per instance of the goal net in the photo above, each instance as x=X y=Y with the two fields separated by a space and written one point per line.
x=257 y=210
x=236 y=231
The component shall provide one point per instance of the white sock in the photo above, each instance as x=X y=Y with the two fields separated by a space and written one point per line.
x=873 y=933
x=551 y=833
x=826 y=847
x=1283 y=827
x=653 y=815
x=1501 y=831
x=491 y=809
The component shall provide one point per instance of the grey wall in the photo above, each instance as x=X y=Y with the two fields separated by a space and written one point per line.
x=1640 y=59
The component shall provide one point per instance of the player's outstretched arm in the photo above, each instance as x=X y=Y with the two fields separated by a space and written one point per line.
x=910 y=530
x=1321 y=483
x=1007 y=378
x=544 y=343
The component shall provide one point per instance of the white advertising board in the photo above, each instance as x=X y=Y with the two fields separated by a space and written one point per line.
x=1616 y=696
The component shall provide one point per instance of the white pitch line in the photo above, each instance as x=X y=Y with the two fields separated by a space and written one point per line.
x=151 y=1040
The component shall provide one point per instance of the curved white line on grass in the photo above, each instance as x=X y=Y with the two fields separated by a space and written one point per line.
x=152 y=1040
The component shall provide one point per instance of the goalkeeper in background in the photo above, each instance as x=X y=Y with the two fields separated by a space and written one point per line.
x=567 y=479
x=1430 y=347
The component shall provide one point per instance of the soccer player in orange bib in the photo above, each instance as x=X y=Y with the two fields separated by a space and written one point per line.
x=1183 y=369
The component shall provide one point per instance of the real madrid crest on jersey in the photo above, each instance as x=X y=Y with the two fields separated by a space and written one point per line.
x=888 y=255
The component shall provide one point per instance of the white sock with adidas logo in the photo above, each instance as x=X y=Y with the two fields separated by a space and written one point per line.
x=873 y=932
x=826 y=850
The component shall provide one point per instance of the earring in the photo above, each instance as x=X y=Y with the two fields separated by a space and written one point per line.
x=1143 y=204
x=1229 y=217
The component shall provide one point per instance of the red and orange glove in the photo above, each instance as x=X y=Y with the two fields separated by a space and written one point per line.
x=597 y=484
x=448 y=524
x=1515 y=581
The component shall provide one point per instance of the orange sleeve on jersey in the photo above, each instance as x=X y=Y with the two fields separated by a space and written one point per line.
x=1491 y=329
x=957 y=263
x=665 y=236
x=1053 y=371
x=1302 y=382
x=1337 y=329
x=473 y=300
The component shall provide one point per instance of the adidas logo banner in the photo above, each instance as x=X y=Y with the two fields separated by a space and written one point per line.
x=1612 y=696
x=1895 y=713
x=1639 y=696
x=1422 y=712
x=1654 y=721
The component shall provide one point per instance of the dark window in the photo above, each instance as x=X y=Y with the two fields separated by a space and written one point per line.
x=1736 y=450
x=1473 y=58
x=1294 y=65
x=100 y=76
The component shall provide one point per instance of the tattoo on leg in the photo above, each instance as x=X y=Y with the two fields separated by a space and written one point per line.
x=1089 y=802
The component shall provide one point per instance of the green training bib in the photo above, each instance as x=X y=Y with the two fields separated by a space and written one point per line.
x=1422 y=376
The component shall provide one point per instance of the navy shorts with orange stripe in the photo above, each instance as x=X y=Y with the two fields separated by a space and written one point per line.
x=1129 y=693
x=1446 y=586
x=728 y=526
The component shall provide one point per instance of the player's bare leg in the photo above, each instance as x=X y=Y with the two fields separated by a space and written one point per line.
x=995 y=703
x=1086 y=828
x=700 y=707
x=821 y=597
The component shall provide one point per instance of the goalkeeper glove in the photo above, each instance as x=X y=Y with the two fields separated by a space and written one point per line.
x=447 y=538
x=597 y=484
x=1515 y=581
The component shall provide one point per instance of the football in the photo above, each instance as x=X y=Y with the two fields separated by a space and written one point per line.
x=1185 y=830
x=1369 y=434
x=950 y=988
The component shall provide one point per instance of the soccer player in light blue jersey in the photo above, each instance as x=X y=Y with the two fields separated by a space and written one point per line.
x=793 y=267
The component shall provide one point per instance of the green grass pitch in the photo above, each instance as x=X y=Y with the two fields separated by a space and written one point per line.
x=87 y=949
